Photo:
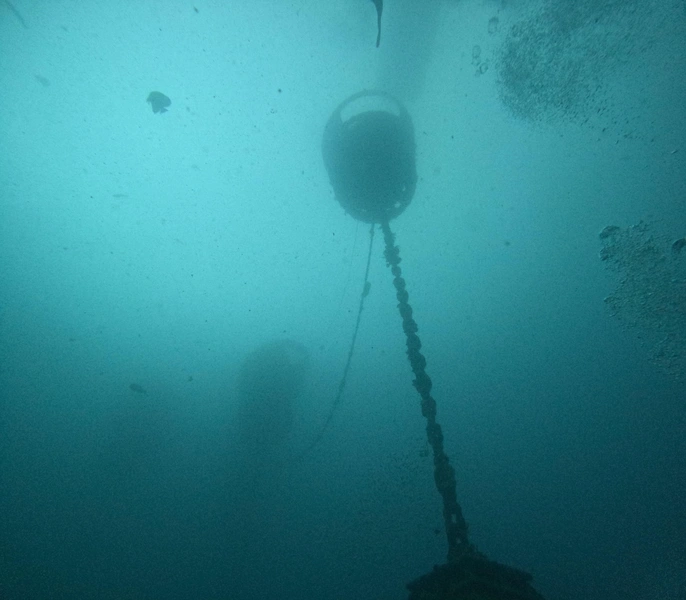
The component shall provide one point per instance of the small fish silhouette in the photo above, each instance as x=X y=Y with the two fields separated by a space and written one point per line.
x=139 y=389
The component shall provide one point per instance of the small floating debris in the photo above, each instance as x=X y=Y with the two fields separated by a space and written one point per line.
x=159 y=102
x=678 y=246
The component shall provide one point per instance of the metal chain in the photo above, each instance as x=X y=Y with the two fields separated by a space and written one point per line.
x=444 y=474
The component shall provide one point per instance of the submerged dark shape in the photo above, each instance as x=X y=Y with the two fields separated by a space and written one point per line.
x=379 y=10
x=139 y=389
x=159 y=102
x=269 y=382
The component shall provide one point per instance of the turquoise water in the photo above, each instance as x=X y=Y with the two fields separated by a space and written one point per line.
x=145 y=256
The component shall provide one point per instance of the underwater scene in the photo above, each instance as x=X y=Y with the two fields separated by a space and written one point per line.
x=355 y=299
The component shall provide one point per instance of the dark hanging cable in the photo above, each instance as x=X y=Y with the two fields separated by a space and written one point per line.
x=341 y=386
x=444 y=474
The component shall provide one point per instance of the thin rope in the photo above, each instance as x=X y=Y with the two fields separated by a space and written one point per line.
x=341 y=386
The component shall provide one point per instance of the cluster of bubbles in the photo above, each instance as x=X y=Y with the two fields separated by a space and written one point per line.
x=481 y=63
x=554 y=63
x=651 y=292
x=478 y=61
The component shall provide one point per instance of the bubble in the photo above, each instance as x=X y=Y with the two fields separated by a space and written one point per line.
x=544 y=71
x=650 y=297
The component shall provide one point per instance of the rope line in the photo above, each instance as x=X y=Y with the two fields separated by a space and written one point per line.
x=341 y=386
